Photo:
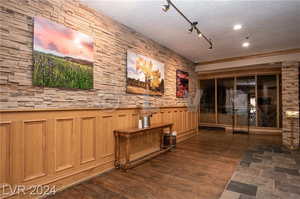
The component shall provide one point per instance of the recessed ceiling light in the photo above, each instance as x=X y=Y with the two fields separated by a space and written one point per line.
x=246 y=44
x=237 y=27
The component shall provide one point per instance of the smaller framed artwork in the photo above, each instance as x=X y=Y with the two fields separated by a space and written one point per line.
x=182 y=84
x=144 y=75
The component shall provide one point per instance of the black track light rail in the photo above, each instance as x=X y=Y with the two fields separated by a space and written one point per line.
x=193 y=24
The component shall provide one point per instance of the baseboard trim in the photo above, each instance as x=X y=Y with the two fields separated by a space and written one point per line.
x=253 y=130
x=186 y=135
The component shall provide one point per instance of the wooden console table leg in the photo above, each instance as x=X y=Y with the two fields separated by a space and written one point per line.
x=161 y=139
x=127 y=153
x=117 y=151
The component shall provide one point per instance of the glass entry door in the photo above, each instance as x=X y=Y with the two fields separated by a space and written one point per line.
x=242 y=100
x=245 y=101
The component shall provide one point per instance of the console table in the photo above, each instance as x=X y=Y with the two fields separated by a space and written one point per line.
x=127 y=134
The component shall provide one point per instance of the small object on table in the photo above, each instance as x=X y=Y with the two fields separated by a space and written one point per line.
x=145 y=115
x=140 y=124
x=128 y=134
x=146 y=121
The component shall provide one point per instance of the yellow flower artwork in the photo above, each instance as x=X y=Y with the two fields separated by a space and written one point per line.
x=144 y=75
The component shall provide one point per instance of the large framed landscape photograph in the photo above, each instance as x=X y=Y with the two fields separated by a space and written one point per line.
x=62 y=57
x=144 y=75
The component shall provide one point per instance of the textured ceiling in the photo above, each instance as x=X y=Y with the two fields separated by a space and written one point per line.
x=271 y=25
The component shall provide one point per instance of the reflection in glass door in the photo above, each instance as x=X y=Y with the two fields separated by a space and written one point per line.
x=267 y=100
x=207 y=101
x=245 y=101
x=225 y=100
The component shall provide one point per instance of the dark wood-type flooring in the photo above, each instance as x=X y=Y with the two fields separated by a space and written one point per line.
x=199 y=168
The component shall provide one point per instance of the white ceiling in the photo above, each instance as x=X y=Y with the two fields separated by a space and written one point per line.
x=272 y=25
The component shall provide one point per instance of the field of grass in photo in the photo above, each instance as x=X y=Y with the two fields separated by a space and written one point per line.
x=53 y=71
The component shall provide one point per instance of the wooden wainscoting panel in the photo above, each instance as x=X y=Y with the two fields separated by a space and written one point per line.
x=5 y=134
x=123 y=120
x=60 y=146
x=175 y=119
x=190 y=120
x=185 y=119
x=162 y=116
x=134 y=119
x=156 y=118
x=180 y=121
x=34 y=149
x=105 y=136
x=87 y=139
x=64 y=134
x=168 y=116
x=195 y=120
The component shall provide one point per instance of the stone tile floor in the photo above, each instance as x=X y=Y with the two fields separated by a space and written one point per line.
x=266 y=172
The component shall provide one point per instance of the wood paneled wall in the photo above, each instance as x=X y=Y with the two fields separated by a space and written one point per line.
x=49 y=146
x=5 y=137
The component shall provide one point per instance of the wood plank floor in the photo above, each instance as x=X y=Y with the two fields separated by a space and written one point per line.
x=199 y=168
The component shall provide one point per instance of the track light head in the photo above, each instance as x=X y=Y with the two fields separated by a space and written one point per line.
x=211 y=45
x=193 y=26
x=165 y=8
x=195 y=23
x=199 y=33
x=246 y=43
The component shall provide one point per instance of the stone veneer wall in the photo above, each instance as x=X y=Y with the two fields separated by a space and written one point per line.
x=111 y=41
x=290 y=100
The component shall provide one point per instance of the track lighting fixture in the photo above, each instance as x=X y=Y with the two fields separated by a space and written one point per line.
x=166 y=8
x=193 y=24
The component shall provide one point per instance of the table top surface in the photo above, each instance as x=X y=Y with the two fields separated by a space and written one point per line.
x=137 y=130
